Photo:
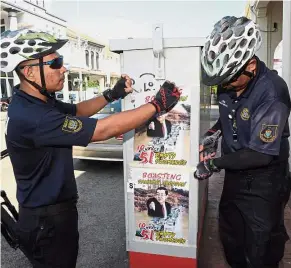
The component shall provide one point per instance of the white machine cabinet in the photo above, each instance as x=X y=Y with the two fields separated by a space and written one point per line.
x=164 y=204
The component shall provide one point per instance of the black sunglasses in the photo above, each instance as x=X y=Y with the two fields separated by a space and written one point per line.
x=56 y=63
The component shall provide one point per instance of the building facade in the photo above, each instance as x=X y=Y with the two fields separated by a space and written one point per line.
x=274 y=18
x=17 y=14
x=92 y=67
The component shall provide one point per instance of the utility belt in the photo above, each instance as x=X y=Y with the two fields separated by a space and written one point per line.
x=48 y=210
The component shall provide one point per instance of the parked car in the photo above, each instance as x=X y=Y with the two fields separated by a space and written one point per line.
x=4 y=103
x=109 y=150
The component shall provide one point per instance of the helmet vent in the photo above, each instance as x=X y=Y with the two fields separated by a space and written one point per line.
x=40 y=49
x=232 y=64
x=243 y=43
x=211 y=55
x=27 y=50
x=239 y=31
x=213 y=33
x=32 y=42
x=252 y=43
x=251 y=31
x=226 y=58
x=238 y=54
x=14 y=50
x=5 y=44
x=232 y=44
x=218 y=63
x=3 y=63
x=222 y=47
x=246 y=55
x=257 y=34
x=19 y=42
x=216 y=39
x=224 y=27
x=4 y=55
x=207 y=46
x=227 y=34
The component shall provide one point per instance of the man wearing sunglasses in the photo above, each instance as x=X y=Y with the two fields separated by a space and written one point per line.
x=254 y=106
x=40 y=134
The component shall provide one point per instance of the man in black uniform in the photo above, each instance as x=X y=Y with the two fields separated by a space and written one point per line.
x=40 y=133
x=254 y=106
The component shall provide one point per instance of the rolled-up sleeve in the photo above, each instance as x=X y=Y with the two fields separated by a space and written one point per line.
x=267 y=126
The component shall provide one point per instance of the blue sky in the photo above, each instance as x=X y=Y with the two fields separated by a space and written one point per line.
x=122 y=19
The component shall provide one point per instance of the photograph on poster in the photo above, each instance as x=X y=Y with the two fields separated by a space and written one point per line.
x=164 y=139
x=161 y=205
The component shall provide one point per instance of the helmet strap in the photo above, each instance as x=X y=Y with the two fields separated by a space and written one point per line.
x=249 y=74
x=42 y=89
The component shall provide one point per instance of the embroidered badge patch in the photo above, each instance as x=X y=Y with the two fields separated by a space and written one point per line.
x=269 y=133
x=245 y=114
x=72 y=125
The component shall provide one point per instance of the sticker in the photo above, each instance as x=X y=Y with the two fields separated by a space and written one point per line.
x=269 y=133
x=72 y=125
x=245 y=114
x=130 y=186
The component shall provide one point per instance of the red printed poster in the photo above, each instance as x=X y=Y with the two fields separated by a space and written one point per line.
x=161 y=205
x=165 y=139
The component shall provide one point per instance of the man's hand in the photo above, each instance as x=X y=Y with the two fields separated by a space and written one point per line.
x=205 y=169
x=166 y=98
x=208 y=146
x=122 y=88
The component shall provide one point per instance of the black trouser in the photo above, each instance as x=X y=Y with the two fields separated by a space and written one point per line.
x=251 y=216
x=50 y=235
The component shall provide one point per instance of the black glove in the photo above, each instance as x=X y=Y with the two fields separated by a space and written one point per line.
x=166 y=98
x=117 y=92
x=205 y=169
x=208 y=145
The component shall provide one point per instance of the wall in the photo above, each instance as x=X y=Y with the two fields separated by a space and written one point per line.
x=275 y=15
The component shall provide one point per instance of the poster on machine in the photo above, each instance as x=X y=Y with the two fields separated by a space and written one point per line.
x=161 y=205
x=163 y=140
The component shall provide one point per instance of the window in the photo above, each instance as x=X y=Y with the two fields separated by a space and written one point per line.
x=7 y=84
x=97 y=61
x=87 y=58
x=3 y=25
x=92 y=60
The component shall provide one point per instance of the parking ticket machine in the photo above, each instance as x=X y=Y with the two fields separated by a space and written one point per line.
x=164 y=204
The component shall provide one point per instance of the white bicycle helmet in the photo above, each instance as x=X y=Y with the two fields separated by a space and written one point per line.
x=25 y=44
x=232 y=43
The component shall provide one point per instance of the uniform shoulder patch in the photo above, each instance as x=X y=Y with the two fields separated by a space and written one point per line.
x=269 y=133
x=245 y=114
x=72 y=125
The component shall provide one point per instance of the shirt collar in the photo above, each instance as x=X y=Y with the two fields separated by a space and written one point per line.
x=23 y=94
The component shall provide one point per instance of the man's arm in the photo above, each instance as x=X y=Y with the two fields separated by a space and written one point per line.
x=243 y=159
x=90 y=107
x=93 y=106
x=267 y=126
x=120 y=123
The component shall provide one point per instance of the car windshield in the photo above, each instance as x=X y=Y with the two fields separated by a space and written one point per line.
x=112 y=108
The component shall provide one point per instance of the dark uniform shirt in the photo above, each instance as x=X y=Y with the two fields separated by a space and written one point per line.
x=258 y=118
x=39 y=137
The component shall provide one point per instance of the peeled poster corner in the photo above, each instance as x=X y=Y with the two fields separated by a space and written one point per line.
x=161 y=205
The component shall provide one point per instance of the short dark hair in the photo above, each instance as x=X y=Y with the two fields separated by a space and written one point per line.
x=162 y=188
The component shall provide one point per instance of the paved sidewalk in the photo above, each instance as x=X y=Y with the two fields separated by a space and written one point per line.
x=211 y=255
